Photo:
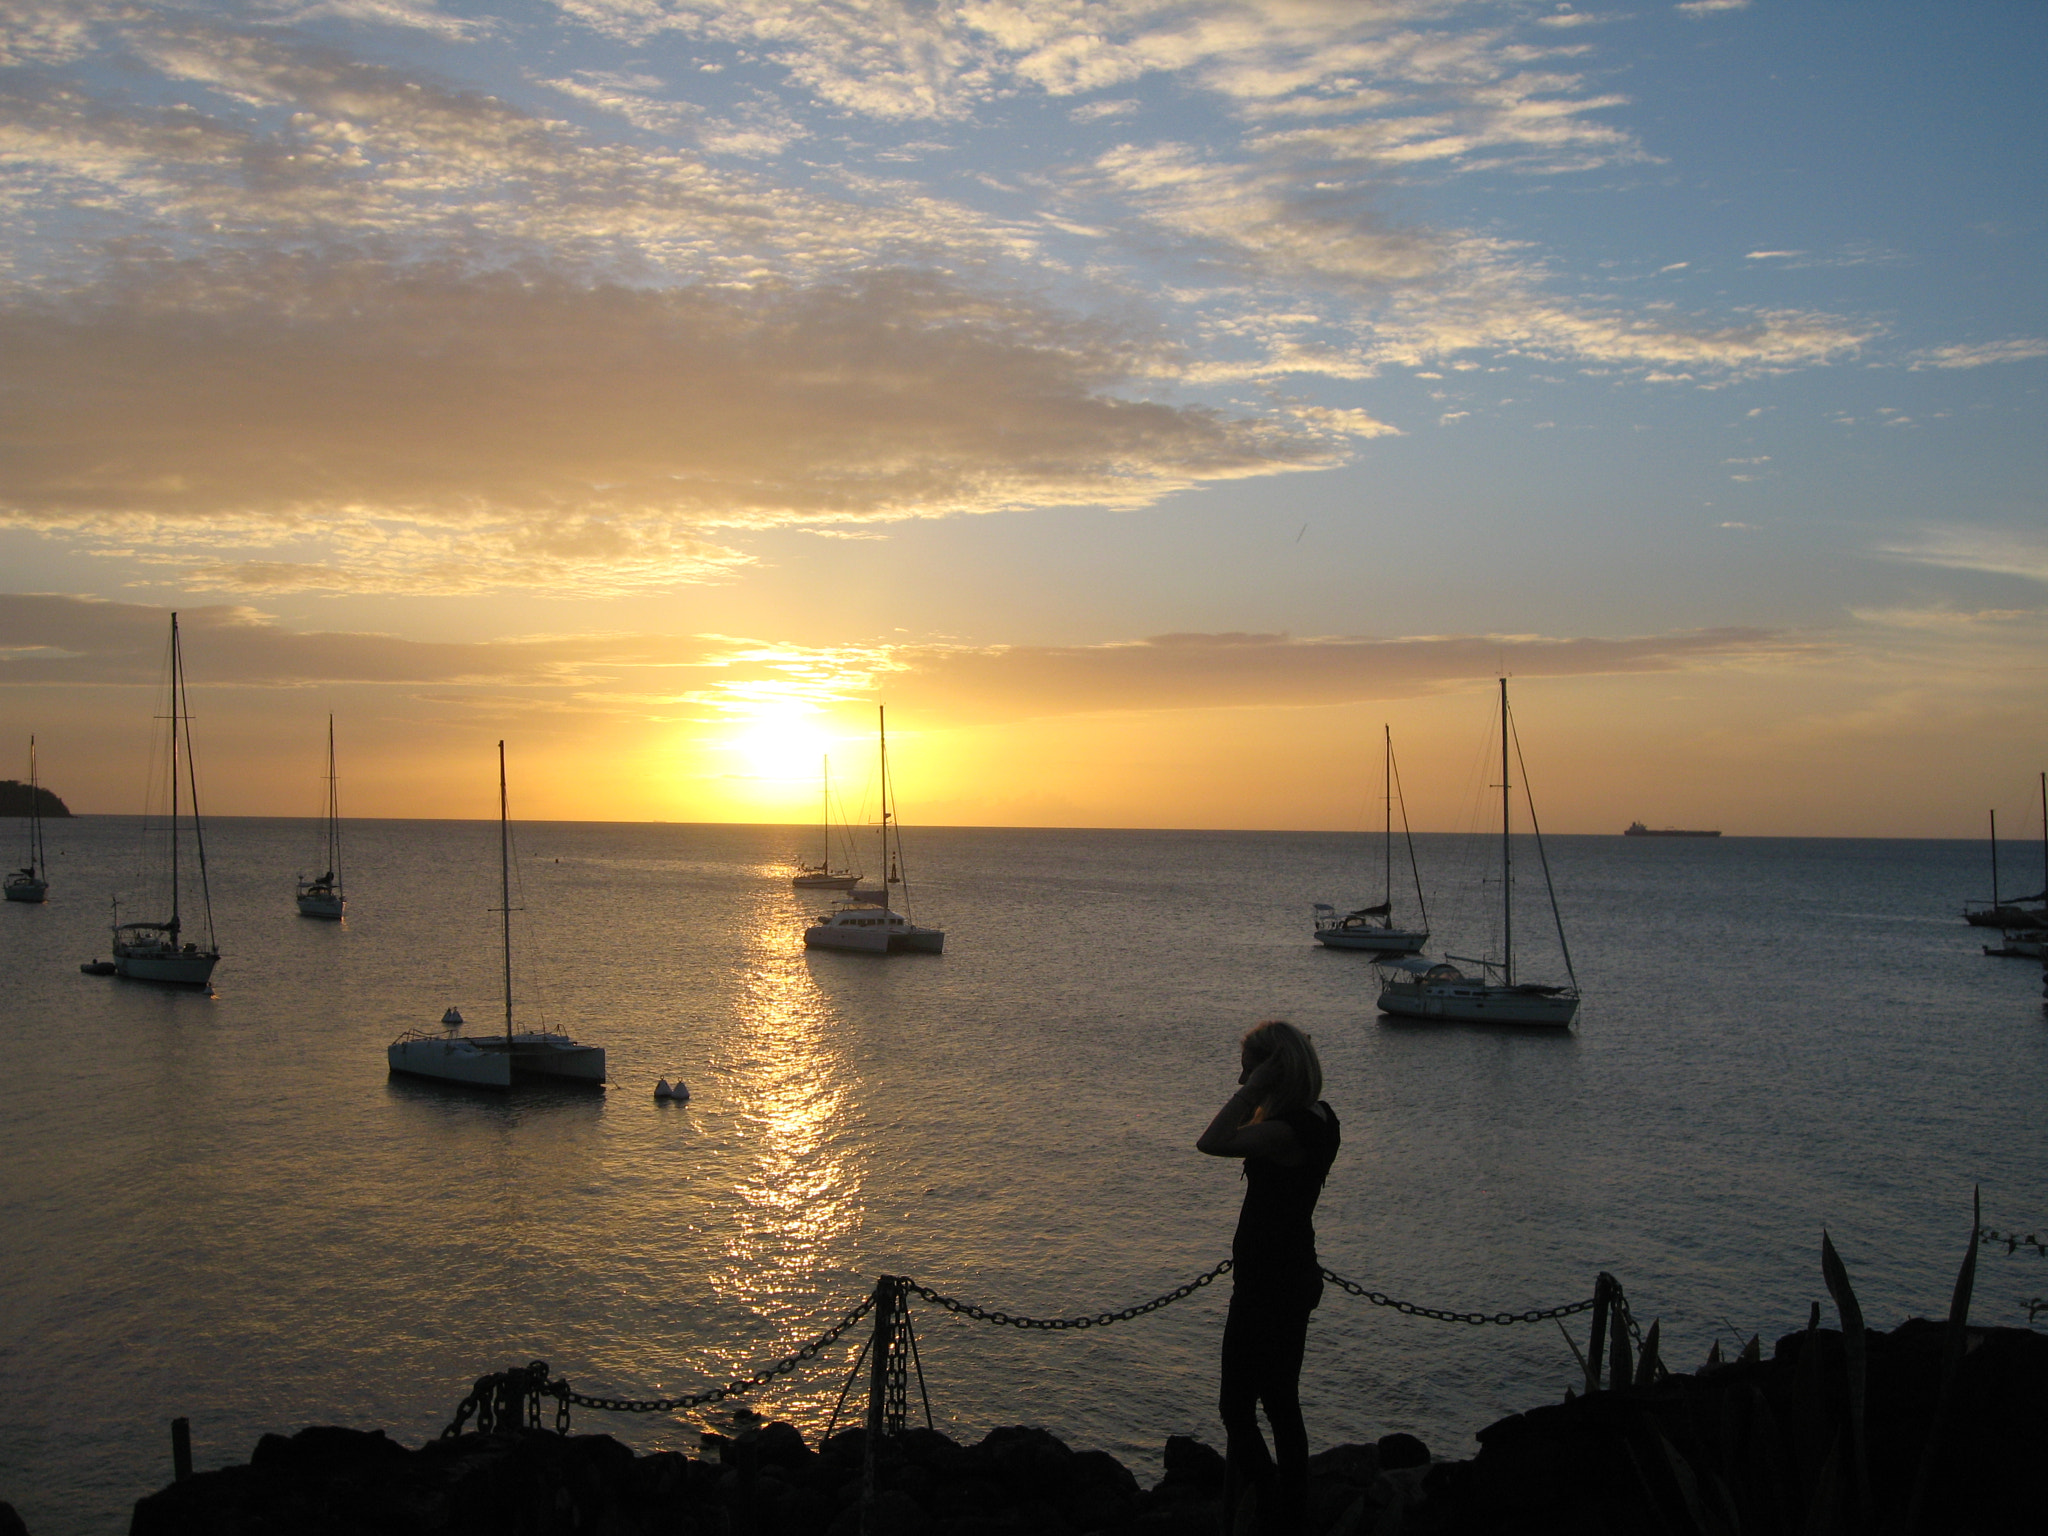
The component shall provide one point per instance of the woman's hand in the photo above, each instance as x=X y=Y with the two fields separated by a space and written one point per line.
x=1262 y=1077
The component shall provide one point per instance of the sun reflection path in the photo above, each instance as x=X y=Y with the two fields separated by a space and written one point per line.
x=799 y=1185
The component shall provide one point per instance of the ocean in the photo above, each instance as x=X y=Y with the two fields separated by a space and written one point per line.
x=221 y=1207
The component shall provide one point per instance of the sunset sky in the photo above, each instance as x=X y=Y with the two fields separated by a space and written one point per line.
x=1145 y=399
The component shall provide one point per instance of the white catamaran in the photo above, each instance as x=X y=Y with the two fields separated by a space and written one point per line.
x=31 y=882
x=821 y=876
x=873 y=926
x=157 y=949
x=497 y=1060
x=323 y=896
x=1372 y=928
x=1437 y=990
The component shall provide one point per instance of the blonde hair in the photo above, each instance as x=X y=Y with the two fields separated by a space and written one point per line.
x=1301 y=1073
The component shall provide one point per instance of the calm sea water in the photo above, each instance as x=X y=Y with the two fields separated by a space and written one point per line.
x=221 y=1207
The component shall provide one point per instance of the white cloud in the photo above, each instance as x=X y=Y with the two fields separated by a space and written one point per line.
x=1995 y=551
x=2014 y=349
x=438 y=430
x=1701 y=8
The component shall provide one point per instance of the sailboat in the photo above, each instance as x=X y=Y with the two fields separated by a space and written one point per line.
x=32 y=881
x=156 y=949
x=871 y=926
x=2022 y=913
x=1417 y=988
x=496 y=1060
x=821 y=876
x=1372 y=928
x=323 y=896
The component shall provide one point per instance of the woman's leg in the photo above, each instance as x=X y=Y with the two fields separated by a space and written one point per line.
x=1285 y=1341
x=1246 y=1461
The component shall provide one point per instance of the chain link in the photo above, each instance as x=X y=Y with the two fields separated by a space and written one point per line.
x=735 y=1388
x=1097 y=1320
x=1412 y=1309
x=2013 y=1242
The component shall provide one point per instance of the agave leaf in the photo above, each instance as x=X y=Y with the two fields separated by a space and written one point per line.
x=1573 y=1345
x=1713 y=1360
x=1619 y=1366
x=1854 y=1360
x=1688 y=1487
x=1826 y=1507
x=1753 y=1351
x=1954 y=1343
x=1649 y=1365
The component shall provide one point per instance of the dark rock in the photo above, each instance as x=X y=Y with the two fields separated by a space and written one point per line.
x=11 y=1523
x=1399 y=1452
x=1192 y=1464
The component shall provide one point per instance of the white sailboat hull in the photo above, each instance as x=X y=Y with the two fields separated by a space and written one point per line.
x=1384 y=941
x=20 y=889
x=1476 y=1002
x=488 y=1061
x=873 y=930
x=185 y=969
x=322 y=904
x=825 y=882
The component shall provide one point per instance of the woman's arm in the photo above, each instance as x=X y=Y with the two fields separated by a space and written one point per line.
x=1228 y=1134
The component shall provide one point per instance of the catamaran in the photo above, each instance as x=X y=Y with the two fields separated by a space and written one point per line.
x=31 y=882
x=871 y=926
x=156 y=949
x=1417 y=988
x=821 y=876
x=496 y=1060
x=323 y=896
x=1372 y=928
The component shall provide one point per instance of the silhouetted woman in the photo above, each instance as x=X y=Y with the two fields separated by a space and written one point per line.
x=1276 y=1122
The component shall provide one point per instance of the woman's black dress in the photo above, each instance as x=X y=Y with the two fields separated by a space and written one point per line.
x=1277 y=1281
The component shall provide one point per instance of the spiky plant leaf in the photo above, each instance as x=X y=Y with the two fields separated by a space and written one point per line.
x=1853 y=1359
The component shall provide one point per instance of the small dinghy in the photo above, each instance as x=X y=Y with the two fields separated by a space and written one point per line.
x=97 y=967
x=678 y=1092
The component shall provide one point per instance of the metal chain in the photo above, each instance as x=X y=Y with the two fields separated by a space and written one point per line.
x=1098 y=1320
x=735 y=1388
x=1411 y=1309
x=2013 y=1242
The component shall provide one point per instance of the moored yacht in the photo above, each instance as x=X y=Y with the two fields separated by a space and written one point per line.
x=323 y=895
x=869 y=924
x=1438 y=990
x=157 y=949
x=31 y=882
x=497 y=1060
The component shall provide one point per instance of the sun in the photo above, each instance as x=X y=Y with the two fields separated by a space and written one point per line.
x=780 y=743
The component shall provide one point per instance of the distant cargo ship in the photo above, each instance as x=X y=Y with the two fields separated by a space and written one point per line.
x=1637 y=829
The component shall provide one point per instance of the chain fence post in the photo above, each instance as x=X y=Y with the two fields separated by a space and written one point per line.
x=181 y=1449
x=1596 y=1347
x=888 y=1298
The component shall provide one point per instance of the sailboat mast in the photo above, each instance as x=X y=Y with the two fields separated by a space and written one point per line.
x=174 y=778
x=1994 y=857
x=882 y=734
x=1507 y=851
x=333 y=810
x=35 y=816
x=2044 y=831
x=505 y=886
x=1388 y=849
x=825 y=813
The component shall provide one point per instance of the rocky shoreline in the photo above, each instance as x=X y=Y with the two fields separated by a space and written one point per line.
x=1911 y=1434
